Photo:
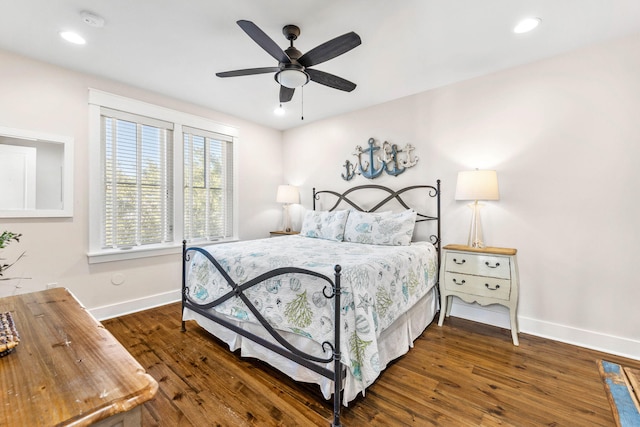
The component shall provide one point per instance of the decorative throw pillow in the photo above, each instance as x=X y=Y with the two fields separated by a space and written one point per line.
x=327 y=225
x=360 y=225
x=380 y=229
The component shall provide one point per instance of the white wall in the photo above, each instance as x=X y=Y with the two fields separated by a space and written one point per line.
x=564 y=136
x=44 y=98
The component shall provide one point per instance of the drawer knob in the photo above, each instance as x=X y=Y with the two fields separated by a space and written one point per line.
x=490 y=288
x=497 y=264
x=459 y=262
x=458 y=283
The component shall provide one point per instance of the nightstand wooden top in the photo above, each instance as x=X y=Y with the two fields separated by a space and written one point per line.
x=284 y=233
x=489 y=250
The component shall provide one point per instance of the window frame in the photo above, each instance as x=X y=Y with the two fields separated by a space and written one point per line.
x=98 y=100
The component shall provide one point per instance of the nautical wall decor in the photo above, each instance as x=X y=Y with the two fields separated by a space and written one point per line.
x=372 y=161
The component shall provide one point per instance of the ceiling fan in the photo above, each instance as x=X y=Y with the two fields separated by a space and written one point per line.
x=293 y=68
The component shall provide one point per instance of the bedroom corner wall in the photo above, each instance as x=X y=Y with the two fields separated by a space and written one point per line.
x=45 y=98
x=564 y=136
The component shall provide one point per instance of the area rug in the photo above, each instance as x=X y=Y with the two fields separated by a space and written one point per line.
x=621 y=385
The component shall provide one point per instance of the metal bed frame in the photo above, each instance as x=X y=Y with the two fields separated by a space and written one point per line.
x=331 y=290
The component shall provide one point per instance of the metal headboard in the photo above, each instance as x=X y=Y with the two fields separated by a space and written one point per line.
x=389 y=195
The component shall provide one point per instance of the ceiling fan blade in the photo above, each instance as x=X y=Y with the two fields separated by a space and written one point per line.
x=264 y=41
x=330 y=80
x=248 y=72
x=330 y=49
x=286 y=93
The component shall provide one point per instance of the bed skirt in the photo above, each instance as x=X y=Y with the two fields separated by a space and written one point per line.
x=394 y=341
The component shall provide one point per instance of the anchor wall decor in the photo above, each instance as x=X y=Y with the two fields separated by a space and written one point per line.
x=374 y=160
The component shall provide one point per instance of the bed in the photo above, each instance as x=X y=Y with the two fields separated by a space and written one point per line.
x=275 y=298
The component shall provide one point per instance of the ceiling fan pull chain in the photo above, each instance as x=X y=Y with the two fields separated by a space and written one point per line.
x=302 y=103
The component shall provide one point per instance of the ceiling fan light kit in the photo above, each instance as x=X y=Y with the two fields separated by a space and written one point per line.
x=293 y=70
x=292 y=78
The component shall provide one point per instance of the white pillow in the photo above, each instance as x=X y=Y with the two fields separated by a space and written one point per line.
x=327 y=225
x=380 y=229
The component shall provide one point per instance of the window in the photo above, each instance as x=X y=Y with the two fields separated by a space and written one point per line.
x=138 y=176
x=158 y=176
x=208 y=188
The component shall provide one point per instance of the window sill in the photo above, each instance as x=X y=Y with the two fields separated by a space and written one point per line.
x=109 y=255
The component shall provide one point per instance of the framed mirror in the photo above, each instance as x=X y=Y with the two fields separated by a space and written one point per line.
x=36 y=174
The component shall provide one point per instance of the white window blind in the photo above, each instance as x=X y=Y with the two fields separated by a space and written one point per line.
x=138 y=177
x=208 y=185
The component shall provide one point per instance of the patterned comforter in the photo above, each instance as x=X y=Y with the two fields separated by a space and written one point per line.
x=379 y=283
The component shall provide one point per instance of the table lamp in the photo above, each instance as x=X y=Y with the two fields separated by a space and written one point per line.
x=287 y=194
x=477 y=185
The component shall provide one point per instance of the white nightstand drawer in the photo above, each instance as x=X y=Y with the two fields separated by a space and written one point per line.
x=478 y=286
x=478 y=264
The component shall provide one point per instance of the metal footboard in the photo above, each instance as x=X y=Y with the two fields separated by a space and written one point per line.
x=281 y=346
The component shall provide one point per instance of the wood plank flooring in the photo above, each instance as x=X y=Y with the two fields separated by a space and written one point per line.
x=462 y=374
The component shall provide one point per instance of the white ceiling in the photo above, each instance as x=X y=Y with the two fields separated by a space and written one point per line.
x=175 y=47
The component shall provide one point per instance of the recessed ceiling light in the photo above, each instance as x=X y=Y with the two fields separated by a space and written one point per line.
x=526 y=25
x=72 y=37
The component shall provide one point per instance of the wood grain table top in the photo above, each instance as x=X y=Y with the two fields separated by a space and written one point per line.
x=68 y=369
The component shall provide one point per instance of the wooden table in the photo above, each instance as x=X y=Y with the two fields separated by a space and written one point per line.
x=68 y=370
x=283 y=233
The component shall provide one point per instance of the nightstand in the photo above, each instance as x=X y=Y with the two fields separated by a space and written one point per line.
x=482 y=275
x=283 y=233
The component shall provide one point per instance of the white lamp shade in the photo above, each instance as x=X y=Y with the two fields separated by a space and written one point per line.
x=477 y=185
x=288 y=194
x=292 y=78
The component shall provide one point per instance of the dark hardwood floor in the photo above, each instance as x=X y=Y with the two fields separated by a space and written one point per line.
x=463 y=374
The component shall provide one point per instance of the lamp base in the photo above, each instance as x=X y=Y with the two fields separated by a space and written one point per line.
x=475 y=230
x=286 y=218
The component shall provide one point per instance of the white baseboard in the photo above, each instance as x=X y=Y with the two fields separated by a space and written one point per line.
x=132 y=306
x=497 y=315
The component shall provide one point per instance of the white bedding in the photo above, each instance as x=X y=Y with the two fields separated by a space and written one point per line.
x=388 y=298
